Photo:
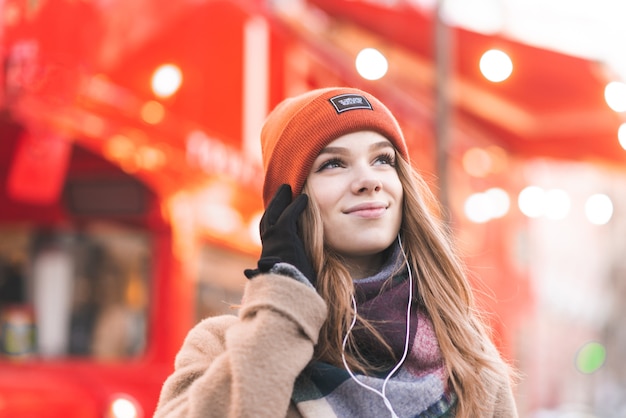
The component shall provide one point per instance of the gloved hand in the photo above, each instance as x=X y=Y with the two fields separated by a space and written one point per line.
x=279 y=235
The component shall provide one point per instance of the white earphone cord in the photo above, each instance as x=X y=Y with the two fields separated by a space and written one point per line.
x=381 y=393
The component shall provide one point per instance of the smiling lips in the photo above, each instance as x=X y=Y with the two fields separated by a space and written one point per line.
x=367 y=210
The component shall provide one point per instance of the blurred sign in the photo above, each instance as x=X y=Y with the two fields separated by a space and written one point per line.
x=38 y=169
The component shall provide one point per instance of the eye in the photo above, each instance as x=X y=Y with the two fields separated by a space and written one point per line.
x=386 y=158
x=330 y=163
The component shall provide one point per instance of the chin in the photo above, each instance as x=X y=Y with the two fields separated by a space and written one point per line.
x=365 y=247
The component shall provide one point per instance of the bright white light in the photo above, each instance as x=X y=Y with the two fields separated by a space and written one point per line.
x=531 y=201
x=496 y=65
x=166 y=80
x=615 y=96
x=599 y=209
x=123 y=408
x=499 y=202
x=482 y=207
x=557 y=204
x=371 y=64
x=621 y=135
x=477 y=208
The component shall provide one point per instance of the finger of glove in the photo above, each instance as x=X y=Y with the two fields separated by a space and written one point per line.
x=251 y=273
x=294 y=251
x=276 y=207
x=301 y=261
x=292 y=213
x=283 y=238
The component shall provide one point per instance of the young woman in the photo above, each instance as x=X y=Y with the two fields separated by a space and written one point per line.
x=359 y=306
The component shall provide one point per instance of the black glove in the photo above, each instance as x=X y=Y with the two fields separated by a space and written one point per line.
x=279 y=235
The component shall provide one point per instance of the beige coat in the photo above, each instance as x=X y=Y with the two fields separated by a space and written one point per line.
x=246 y=366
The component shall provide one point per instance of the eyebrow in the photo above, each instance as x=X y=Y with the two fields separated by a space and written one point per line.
x=343 y=150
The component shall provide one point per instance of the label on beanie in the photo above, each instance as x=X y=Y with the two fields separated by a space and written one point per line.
x=345 y=102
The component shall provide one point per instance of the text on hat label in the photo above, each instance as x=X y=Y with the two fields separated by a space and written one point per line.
x=345 y=102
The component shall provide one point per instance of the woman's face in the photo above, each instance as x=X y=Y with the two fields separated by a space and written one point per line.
x=356 y=186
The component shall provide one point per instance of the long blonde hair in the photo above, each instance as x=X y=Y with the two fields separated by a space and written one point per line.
x=444 y=291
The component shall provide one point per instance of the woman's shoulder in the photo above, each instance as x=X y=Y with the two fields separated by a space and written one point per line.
x=215 y=326
x=206 y=338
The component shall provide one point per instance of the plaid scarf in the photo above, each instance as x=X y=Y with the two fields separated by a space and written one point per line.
x=419 y=388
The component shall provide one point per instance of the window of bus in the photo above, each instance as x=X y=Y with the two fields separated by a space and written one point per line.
x=73 y=293
x=220 y=280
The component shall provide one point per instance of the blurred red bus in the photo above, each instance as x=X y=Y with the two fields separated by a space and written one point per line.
x=93 y=302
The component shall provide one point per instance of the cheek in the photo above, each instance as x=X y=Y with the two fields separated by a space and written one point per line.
x=399 y=207
x=394 y=188
x=327 y=204
x=398 y=215
x=325 y=194
x=327 y=214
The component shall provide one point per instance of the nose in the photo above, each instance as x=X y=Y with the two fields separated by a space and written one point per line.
x=366 y=181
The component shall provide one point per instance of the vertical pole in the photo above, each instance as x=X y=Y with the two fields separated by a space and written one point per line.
x=442 y=105
x=256 y=65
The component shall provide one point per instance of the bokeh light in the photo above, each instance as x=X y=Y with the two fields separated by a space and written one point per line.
x=166 y=80
x=476 y=208
x=499 y=202
x=531 y=201
x=119 y=147
x=482 y=207
x=371 y=64
x=599 y=209
x=477 y=162
x=496 y=65
x=123 y=408
x=498 y=157
x=615 y=96
x=150 y=157
x=590 y=357
x=152 y=112
x=621 y=135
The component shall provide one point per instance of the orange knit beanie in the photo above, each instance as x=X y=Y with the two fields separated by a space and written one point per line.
x=300 y=127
